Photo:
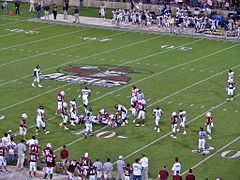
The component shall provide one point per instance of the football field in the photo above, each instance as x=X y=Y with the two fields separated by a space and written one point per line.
x=172 y=72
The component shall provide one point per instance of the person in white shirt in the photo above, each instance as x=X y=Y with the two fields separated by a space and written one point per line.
x=157 y=113
x=31 y=8
x=176 y=167
x=120 y=168
x=85 y=93
x=137 y=170
x=144 y=163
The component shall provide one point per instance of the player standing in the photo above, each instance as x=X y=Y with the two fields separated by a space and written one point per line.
x=73 y=112
x=157 y=113
x=183 y=116
x=174 y=120
x=40 y=120
x=122 y=111
x=201 y=141
x=64 y=116
x=85 y=94
x=209 y=124
x=22 y=127
x=49 y=164
x=71 y=168
x=230 y=89
x=60 y=100
x=88 y=124
x=33 y=157
x=141 y=112
x=230 y=74
x=92 y=172
x=134 y=104
x=36 y=76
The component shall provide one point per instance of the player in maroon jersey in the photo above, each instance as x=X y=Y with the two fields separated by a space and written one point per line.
x=163 y=173
x=85 y=160
x=33 y=157
x=92 y=172
x=209 y=124
x=81 y=172
x=50 y=163
x=22 y=126
x=3 y=155
x=127 y=171
x=64 y=116
x=134 y=105
x=71 y=168
x=174 y=120
x=141 y=112
x=34 y=148
x=60 y=100
x=47 y=149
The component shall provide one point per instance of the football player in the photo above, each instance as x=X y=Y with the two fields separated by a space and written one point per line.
x=47 y=149
x=64 y=116
x=230 y=89
x=140 y=95
x=230 y=74
x=50 y=163
x=36 y=76
x=88 y=125
x=40 y=120
x=92 y=172
x=183 y=116
x=174 y=121
x=73 y=112
x=71 y=169
x=157 y=113
x=201 y=141
x=85 y=161
x=3 y=156
x=80 y=172
x=22 y=127
x=209 y=124
x=85 y=94
x=134 y=91
x=134 y=104
x=127 y=171
x=60 y=100
x=33 y=157
x=122 y=111
x=141 y=112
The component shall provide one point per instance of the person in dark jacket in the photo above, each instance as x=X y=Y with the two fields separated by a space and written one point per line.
x=54 y=11
x=76 y=15
x=17 y=6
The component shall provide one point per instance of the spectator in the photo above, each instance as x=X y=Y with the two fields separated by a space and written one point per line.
x=38 y=11
x=21 y=149
x=99 y=167
x=76 y=15
x=137 y=170
x=46 y=11
x=5 y=7
x=120 y=168
x=17 y=6
x=163 y=173
x=177 y=176
x=64 y=154
x=11 y=154
x=54 y=11
x=190 y=175
x=144 y=163
x=64 y=11
x=107 y=169
x=176 y=166
x=3 y=155
x=31 y=8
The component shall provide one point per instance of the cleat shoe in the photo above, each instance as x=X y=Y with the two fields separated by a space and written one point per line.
x=65 y=128
x=46 y=132
x=40 y=86
x=33 y=85
x=137 y=125
x=184 y=133
x=126 y=121
x=143 y=125
x=133 y=121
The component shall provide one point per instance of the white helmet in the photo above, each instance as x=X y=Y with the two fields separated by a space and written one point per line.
x=24 y=115
x=86 y=154
x=208 y=114
x=49 y=145
x=174 y=114
x=64 y=104
x=62 y=93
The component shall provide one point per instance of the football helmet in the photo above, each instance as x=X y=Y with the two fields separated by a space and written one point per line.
x=24 y=115
x=174 y=114
x=208 y=114
x=62 y=93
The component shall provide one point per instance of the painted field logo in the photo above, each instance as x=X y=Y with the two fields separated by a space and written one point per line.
x=92 y=75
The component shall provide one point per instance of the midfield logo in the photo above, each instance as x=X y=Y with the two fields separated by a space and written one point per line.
x=104 y=76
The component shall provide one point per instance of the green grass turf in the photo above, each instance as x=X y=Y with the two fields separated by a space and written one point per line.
x=194 y=80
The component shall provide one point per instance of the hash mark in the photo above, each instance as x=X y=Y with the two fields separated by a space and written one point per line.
x=21 y=50
x=138 y=63
x=182 y=68
x=202 y=107
x=69 y=55
x=192 y=69
x=169 y=102
x=225 y=109
x=236 y=111
x=147 y=64
x=155 y=65
x=117 y=95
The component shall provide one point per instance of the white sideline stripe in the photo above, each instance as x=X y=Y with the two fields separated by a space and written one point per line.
x=206 y=159
x=13 y=33
x=43 y=39
x=100 y=97
x=153 y=142
x=236 y=111
x=52 y=51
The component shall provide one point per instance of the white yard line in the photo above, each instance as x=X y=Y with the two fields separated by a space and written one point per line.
x=43 y=39
x=206 y=159
x=42 y=27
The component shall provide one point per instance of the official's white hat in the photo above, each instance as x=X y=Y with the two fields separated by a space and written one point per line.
x=120 y=157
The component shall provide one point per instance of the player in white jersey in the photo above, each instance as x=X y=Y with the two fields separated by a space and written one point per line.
x=230 y=89
x=88 y=125
x=183 y=116
x=40 y=120
x=36 y=76
x=73 y=112
x=85 y=94
x=157 y=113
x=64 y=116
x=60 y=100
x=202 y=141
x=122 y=111
x=230 y=74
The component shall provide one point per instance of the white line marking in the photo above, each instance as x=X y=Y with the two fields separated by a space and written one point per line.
x=204 y=160
x=236 y=111
x=191 y=105
x=202 y=107
x=225 y=109
x=182 y=68
x=201 y=70
x=192 y=69
x=97 y=92
x=169 y=102
x=117 y=95
x=138 y=63
x=180 y=104
x=211 y=71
